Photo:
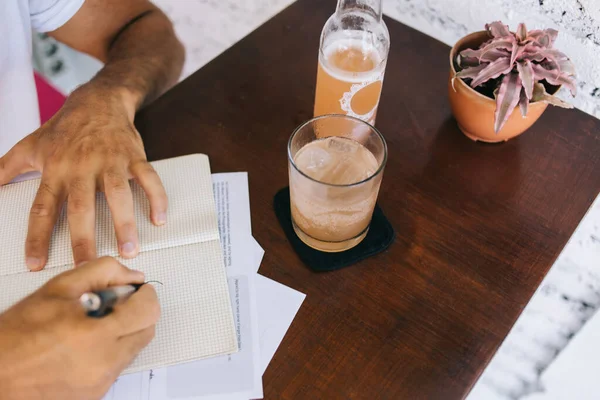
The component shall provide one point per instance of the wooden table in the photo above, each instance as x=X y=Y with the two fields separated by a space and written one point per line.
x=478 y=226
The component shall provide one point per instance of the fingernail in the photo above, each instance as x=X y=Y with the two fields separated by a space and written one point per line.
x=128 y=248
x=81 y=264
x=33 y=263
x=161 y=218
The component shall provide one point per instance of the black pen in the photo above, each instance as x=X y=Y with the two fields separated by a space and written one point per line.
x=100 y=303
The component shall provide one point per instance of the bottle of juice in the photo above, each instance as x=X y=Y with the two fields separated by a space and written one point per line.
x=352 y=57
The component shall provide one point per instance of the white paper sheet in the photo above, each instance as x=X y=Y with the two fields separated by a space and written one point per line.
x=277 y=308
x=278 y=305
x=241 y=253
x=232 y=200
x=265 y=313
x=129 y=387
x=233 y=212
x=226 y=377
x=258 y=254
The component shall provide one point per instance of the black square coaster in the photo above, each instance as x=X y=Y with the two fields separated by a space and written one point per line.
x=380 y=236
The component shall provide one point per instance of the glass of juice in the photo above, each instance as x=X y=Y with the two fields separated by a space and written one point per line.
x=353 y=54
x=335 y=165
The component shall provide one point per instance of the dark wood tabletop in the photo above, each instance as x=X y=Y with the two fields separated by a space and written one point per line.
x=478 y=225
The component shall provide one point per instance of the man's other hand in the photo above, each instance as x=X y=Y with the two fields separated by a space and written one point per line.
x=89 y=146
x=50 y=348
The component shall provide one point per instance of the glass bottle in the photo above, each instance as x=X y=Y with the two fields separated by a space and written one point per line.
x=352 y=57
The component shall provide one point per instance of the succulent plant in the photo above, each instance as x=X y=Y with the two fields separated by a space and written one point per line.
x=520 y=62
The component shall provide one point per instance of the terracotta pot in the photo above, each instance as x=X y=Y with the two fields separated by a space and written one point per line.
x=474 y=112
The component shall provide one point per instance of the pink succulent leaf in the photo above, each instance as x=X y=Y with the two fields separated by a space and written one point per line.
x=555 y=101
x=549 y=34
x=526 y=51
x=498 y=29
x=498 y=45
x=539 y=91
x=554 y=57
x=516 y=52
x=471 y=53
x=482 y=45
x=471 y=72
x=465 y=62
x=494 y=54
x=534 y=34
x=544 y=41
x=555 y=60
x=523 y=103
x=555 y=54
x=533 y=56
x=504 y=43
x=555 y=77
x=552 y=34
x=492 y=70
x=567 y=67
x=470 y=62
x=526 y=74
x=521 y=32
x=543 y=73
x=550 y=65
x=507 y=99
x=539 y=94
x=532 y=48
x=566 y=81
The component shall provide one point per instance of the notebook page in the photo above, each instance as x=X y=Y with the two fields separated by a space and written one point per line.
x=196 y=320
x=187 y=191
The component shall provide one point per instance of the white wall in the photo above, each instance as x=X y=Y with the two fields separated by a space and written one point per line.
x=209 y=27
x=578 y=22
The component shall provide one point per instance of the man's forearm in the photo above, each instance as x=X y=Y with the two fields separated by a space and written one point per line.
x=144 y=59
x=91 y=143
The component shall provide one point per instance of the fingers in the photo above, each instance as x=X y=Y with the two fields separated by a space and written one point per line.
x=94 y=275
x=81 y=216
x=149 y=180
x=17 y=161
x=42 y=217
x=120 y=202
x=137 y=313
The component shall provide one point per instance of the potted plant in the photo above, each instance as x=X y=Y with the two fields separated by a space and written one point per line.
x=493 y=72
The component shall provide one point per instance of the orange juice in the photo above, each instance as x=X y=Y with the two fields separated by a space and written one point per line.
x=349 y=79
x=334 y=181
x=333 y=215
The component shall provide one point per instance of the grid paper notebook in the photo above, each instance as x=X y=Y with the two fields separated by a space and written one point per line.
x=185 y=255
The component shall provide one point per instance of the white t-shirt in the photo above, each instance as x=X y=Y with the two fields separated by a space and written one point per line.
x=19 y=111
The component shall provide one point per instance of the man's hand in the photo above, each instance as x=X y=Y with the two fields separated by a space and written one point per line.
x=92 y=144
x=50 y=349
x=89 y=145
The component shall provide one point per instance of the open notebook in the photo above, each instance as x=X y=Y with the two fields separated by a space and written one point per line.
x=185 y=255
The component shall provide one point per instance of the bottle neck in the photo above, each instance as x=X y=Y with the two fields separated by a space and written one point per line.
x=373 y=7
